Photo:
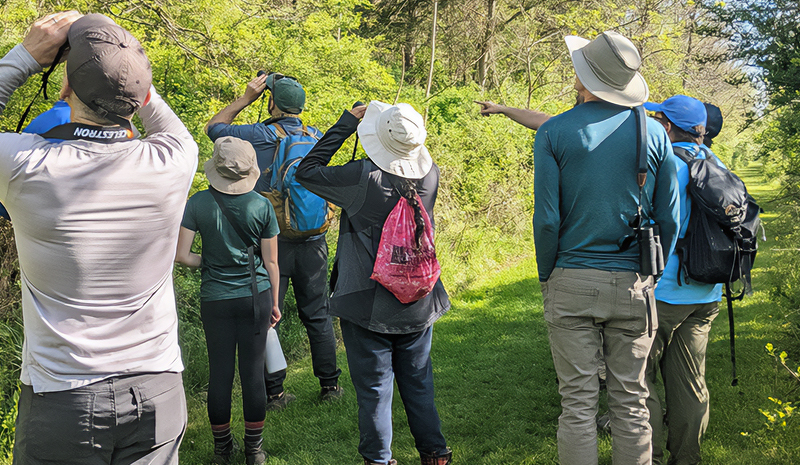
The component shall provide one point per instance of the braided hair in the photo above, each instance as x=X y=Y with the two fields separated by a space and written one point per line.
x=409 y=192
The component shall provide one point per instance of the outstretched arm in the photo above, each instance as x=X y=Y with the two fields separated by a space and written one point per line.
x=529 y=118
x=254 y=90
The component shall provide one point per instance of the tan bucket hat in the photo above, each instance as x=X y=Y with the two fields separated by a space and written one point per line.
x=608 y=67
x=393 y=137
x=233 y=169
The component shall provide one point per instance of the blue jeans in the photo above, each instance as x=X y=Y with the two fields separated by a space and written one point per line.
x=376 y=359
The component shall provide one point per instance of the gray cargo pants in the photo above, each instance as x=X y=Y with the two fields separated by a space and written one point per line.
x=590 y=313
x=137 y=419
x=679 y=353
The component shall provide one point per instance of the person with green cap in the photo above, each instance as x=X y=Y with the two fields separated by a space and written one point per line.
x=303 y=261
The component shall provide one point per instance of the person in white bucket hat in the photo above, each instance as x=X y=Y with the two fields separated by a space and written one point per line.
x=384 y=338
x=393 y=137
x=597 y=303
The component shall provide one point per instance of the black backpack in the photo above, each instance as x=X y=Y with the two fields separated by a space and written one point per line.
x=721 y=240
x=720 y=244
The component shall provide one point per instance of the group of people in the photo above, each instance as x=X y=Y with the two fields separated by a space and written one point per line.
x=100 y=213
x=606 y=319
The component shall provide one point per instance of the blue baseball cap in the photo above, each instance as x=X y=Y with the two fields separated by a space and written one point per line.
x=686 y=112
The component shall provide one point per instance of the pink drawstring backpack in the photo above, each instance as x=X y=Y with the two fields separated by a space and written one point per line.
x=407 y=271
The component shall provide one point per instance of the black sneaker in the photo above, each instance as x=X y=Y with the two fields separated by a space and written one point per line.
x=604 y=423
x=331 y=393
x=279 y=402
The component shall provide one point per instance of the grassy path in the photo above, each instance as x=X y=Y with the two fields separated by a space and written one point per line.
x=496 y=387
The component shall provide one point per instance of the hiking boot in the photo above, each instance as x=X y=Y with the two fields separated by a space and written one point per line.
x=445 y=458
x=279 y=402
x=390 y=462
x=258 y=457
x=253 y=453
x=604 y=423
x=224 y=455
x=331 y=393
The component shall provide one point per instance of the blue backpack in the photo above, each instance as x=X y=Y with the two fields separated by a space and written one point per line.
x=300 y=213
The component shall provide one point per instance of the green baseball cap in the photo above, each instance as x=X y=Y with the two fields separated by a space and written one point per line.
x=287 y=93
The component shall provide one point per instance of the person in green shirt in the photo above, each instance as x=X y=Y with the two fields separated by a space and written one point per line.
x=226 y=295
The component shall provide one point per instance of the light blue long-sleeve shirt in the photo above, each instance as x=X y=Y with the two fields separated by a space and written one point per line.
x=689 y=292
x=586 y=192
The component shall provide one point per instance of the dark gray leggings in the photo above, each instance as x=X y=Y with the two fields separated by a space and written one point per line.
x=229 y=324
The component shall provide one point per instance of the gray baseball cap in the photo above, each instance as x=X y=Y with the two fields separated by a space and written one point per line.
x=107 y=67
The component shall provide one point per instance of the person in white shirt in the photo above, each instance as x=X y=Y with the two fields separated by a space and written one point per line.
x=96 y=215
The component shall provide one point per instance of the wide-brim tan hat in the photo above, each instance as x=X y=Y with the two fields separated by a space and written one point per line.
x=394 y=138
x=608 y=68
x=233 y=169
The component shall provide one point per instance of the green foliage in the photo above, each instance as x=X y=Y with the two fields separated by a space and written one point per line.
x=8 y=417
x=779 y=417
x=10 y=352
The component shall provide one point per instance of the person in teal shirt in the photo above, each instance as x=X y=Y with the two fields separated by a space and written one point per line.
x=226 y=296
x=597 y=304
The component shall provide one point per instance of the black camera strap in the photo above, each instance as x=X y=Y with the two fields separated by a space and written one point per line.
x=641 y=153
x=641 y=179
x=641 y=173
x=43 y=88
x=251 y=252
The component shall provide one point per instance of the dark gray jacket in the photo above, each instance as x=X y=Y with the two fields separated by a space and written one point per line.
x=366 y=196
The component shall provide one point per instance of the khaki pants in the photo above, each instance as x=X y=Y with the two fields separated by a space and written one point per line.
x=593 y=313
x=679 y=353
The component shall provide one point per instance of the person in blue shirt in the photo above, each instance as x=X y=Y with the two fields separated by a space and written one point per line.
x=303 y=261
x=685 y=311
x=55 y=116
x=596 y=301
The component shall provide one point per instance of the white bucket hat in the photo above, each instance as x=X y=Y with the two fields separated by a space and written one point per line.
x=608 y=67
x=393 y=137
x=233 y=169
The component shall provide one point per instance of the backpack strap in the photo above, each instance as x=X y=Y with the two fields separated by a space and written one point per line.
x=251 y=248
x=280 y=133
x=683 y=154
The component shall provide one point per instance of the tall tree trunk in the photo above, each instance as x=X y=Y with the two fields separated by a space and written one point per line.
x=485 y=45
x=433 y=55
x=402 y=80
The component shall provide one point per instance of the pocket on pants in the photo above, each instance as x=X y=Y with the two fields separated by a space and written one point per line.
x=641 y=308
x=163 y=411
x=569 y=301
x=59 y=425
